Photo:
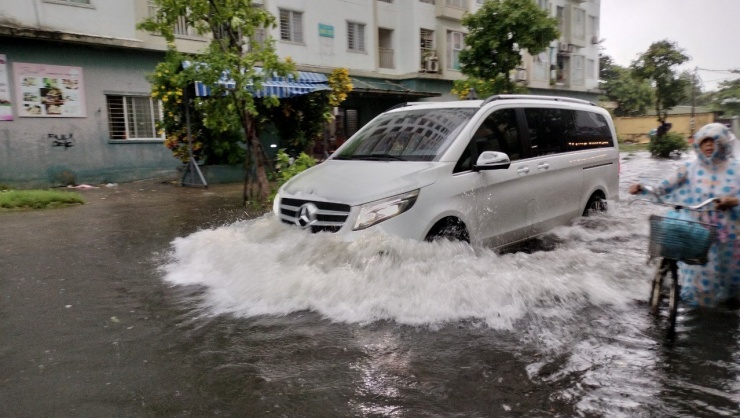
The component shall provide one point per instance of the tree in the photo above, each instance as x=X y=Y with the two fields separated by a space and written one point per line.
x=232 y=53
x=658 y=65
x=497 y=33
x=727 y=98
x=208 y=145
x=633 y=96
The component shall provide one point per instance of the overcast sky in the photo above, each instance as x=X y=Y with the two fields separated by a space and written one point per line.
x=708 y=31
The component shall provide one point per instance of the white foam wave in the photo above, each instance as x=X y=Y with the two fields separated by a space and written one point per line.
x=262 y=267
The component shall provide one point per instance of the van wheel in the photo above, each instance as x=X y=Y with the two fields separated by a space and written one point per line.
x=596 y=203
x=451 y=229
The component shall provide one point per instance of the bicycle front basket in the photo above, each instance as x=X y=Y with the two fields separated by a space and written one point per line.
x=680 y=239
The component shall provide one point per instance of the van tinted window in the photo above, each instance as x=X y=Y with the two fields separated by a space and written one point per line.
x=413 y=135
x=561 y=130
x=549 y=129
x=592 y=131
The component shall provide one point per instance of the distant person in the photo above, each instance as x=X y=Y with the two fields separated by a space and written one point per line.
x=713 y=174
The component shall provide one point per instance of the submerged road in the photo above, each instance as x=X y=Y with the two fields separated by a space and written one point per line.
x=157 y=300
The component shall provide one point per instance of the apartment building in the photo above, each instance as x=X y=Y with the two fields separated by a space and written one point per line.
x=75 y=103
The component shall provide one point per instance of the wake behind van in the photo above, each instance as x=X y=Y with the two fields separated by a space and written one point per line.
x=491 y=172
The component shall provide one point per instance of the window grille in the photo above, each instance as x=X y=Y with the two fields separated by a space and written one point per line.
x=133 y=117
x=356 y=36
x=291 y=25
x=456 y=3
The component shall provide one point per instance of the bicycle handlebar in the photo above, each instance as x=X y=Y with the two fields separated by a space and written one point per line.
x=650 y=189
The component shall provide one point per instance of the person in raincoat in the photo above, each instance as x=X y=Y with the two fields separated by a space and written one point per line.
x=715 y=173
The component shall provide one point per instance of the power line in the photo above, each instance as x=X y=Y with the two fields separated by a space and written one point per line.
x=732 y=70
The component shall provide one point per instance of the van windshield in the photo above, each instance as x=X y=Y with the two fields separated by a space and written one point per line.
x=411 y=135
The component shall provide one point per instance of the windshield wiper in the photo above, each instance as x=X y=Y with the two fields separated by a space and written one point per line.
x=377 y=157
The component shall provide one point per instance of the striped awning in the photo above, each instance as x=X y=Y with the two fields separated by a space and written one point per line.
x=280 y=87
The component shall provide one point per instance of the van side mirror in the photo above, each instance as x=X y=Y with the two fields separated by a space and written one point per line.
x=492 y=160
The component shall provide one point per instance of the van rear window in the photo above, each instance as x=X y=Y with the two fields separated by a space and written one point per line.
x=553 y=130
x=412 y=135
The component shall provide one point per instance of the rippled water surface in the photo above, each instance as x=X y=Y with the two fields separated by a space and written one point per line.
x=163 y=302
x=385 y=327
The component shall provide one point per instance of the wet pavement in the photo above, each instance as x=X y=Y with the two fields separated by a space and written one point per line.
x=153 y=300
x=82 y=307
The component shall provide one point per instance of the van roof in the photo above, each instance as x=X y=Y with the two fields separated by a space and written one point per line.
x=481 y=103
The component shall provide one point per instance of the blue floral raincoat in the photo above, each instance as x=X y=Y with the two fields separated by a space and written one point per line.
x=694 y=182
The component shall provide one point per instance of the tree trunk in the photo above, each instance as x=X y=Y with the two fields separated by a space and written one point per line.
x=256 y=185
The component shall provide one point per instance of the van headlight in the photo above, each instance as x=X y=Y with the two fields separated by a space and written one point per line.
x=378 y=211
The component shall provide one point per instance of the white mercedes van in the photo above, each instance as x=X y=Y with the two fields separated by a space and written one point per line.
x=491 y=172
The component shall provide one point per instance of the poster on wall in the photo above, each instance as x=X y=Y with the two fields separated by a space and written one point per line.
x=49 y=90
x=6 y=108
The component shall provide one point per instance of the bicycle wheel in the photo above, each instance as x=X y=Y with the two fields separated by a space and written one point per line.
x=674 y=295
x=656 y=291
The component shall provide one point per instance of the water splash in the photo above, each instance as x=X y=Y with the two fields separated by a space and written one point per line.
x=261 y=267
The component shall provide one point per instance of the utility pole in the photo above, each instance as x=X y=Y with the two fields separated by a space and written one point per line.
x=692 y=124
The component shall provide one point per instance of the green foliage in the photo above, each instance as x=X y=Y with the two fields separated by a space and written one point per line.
x=233 y=50
x=727 y=99
x=633 y=96
x=664 y=146
x=497 y=33
x=38 y=199
x=286 y=170
x=658 y=65
x=210 y=146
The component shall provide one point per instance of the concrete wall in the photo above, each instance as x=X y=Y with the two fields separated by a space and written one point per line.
x=27 y=155
x=636 y=128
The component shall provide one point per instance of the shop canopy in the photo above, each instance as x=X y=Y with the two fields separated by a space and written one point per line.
x=280 y=87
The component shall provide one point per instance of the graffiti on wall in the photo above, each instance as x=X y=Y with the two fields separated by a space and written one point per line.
x=63 y=140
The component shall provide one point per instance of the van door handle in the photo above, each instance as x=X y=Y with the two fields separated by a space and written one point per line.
x=522 y=170
x=543 y=166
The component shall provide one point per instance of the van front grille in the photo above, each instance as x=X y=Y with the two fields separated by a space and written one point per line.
x=329 y=216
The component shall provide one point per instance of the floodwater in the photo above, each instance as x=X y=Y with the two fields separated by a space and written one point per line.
x=226 y=316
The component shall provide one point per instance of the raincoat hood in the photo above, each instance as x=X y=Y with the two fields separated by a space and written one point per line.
x=723 y=142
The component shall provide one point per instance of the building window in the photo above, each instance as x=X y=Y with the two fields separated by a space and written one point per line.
x=578 y=70
x=593 y=22
x=181 y=27
x=427 y=1
x=133 y=117
x=455 y=44
x=456 y=3
x=356 y=37
x=591 y=69
x=291 y=25
x=386 y=1
x=560 y=16
x=540 y=67
x=543 y=5
x=579 y=23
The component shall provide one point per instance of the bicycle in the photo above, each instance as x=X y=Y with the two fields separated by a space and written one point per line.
x=675 y=239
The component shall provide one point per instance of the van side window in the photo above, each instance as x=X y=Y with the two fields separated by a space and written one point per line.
x=592 y=131
x=498 y=132
x=549 y=130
